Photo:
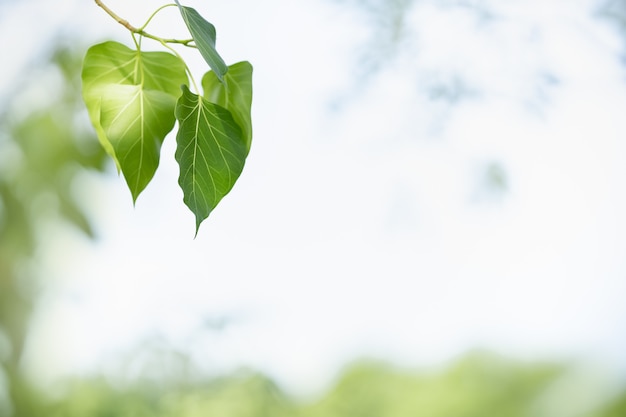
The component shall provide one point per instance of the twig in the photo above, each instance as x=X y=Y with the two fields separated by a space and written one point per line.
x=141 y=32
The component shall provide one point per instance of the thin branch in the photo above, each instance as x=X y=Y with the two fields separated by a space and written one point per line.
x=185 y=42
x=116 y=17
x=141 y=32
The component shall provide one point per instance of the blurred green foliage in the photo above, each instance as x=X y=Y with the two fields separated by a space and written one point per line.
x=478 y=385
x=45 y=146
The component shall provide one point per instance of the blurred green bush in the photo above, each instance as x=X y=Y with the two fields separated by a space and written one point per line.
x=44 y=147
x=478 y=385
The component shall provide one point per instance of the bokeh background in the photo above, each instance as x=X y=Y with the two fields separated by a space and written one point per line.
x=431 y=221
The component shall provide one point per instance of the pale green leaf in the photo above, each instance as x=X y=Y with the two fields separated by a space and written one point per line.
x=204 y=36
x=234 y=94
x=131 y=97
x=137 y=121
x=210 y=152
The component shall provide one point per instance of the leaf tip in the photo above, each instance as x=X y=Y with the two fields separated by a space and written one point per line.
x=198 y=222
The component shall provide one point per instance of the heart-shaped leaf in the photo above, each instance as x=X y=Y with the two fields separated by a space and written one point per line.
x=203 y=34
x=210 y=152
x=131 y=98
x=234 y=94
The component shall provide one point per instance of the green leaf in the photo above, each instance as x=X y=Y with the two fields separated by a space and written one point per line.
x=210 y=152
x=131 y=97
x=234 y=94
x=203 y=34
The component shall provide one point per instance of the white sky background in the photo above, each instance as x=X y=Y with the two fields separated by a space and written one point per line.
x=359 y=226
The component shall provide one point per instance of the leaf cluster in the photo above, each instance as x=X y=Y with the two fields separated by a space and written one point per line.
x=135 y=98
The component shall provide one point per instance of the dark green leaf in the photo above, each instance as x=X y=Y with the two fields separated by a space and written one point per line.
x=203 y=34
x=234 y=94
x=210 y=151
